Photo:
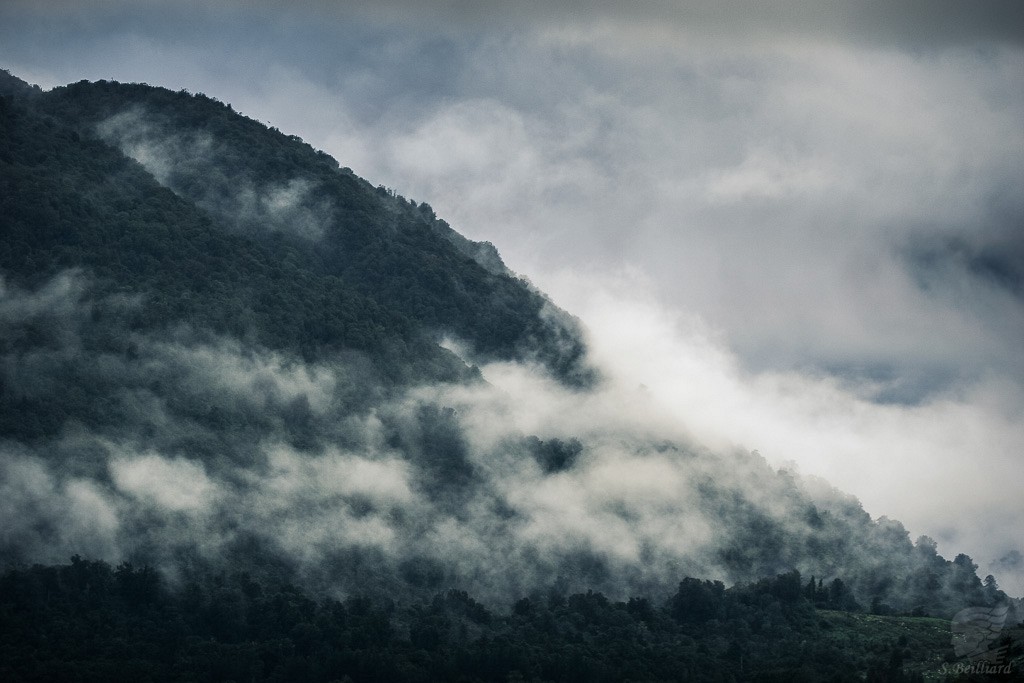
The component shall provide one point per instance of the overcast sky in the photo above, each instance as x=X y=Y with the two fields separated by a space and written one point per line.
x=799 y=224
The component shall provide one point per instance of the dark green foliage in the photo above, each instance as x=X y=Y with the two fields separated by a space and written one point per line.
x=698 y=601
x=71 y=202
x=88 y=622
x=206 y=247
x=554 y=455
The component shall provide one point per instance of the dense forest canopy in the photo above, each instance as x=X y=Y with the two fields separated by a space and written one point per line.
x=234 y=627
x=250 y=232
x=264 y=389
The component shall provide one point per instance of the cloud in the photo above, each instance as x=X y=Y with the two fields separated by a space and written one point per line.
x=823 y=196
x=946 y=467
x=212 y=450
x=772 y=190
x=175 y=485
x=218 y=174
x=48 y=519
x=915 y=23
x=765 y=176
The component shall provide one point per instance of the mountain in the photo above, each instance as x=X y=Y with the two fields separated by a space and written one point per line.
x=220 y=349
x=337 y=264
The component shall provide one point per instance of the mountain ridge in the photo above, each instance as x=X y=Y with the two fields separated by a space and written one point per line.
x=481 y=303
x=209 y=325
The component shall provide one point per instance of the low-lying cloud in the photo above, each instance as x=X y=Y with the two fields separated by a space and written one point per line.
x=824 y=202
x=947 y=466
x=211 y=451
x=220 y=182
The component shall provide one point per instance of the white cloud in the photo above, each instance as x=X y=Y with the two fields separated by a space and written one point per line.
x=948 y=467
x=337 y=474
x=763 y=175
x=174 y=484
x=45 y=519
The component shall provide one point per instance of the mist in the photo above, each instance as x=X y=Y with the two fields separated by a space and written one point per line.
x=947 y=466
x=195 y=163
x=802 y=241
x=210 y=453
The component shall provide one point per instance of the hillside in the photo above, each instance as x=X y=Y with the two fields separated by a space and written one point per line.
x=241 y=629
x=232 y=227
x=223 y=353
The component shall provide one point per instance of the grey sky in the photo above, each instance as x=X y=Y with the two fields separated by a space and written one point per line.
x=800 y=224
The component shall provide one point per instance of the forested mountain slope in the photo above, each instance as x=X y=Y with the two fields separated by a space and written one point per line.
x=221 y=350
x=239 y=229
